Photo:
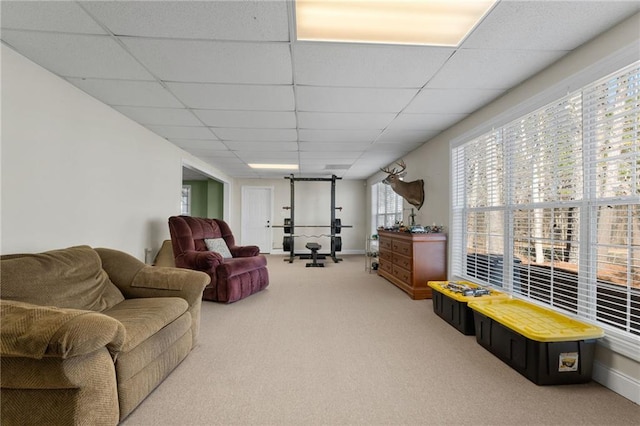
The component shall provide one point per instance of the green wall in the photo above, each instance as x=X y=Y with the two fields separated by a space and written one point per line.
x=206 y=198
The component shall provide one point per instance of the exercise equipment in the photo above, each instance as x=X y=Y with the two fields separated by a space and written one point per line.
x=314 y=247
x=288 y=243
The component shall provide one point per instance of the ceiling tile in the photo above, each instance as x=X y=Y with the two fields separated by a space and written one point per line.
x=261 y=146
x=60 y=16
x=123 y=92
x=221 y=20
x=408 y=121
x=253 y=135
x=347 y=136
x=525 y=25
x=213 y=61
x=491 y=69
x=262 y=156
x=453 y=101
x=182 y=132
x=332 y=99
x=77 y=55
x=333 y=146
x=234 y=97
x=410 y=136
x=344 y=121
x=248 y=119
x=339 y=158
x=200 y=144
x=160 y=116
x=362 y=65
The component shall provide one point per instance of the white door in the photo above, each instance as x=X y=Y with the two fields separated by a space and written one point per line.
x=256 y=218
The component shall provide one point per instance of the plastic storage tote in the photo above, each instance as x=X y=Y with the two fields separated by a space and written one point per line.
x=545 y=346
x=450 y=302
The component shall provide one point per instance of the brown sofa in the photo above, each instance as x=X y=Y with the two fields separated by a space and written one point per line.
x=88 y=333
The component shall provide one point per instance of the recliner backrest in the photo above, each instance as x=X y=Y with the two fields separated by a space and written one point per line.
x=189 y=233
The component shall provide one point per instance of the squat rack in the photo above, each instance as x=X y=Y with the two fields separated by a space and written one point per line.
x=336 y=241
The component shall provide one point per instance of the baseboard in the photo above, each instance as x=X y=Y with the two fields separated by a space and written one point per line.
x=620 y=383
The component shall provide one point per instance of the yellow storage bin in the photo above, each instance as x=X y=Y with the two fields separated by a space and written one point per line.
x=450 y=302
x=535 y=322
x=545 y=346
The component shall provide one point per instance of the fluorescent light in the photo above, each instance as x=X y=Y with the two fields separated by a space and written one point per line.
x=423 y=22
x=274 y=166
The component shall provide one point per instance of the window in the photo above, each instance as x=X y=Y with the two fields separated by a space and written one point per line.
x=185 y=201
x=387 y=206
x=548 y=205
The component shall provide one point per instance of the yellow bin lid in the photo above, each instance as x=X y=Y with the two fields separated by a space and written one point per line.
x=441 y=287
x=535 y=322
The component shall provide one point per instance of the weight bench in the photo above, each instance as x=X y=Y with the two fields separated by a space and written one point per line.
x=314 y=247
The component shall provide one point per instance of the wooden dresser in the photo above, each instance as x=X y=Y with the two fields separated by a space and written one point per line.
x=411 y=260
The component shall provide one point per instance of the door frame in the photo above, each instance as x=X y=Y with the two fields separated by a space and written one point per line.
x=243 y=191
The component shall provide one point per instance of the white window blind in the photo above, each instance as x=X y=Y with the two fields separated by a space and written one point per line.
x=548 y=206
x=612 y=134
x=387 y=206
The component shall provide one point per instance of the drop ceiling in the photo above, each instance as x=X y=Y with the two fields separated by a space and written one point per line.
x=227 y=82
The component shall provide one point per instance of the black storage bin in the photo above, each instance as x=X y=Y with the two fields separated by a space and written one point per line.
x=544 y=363
x=452 y=307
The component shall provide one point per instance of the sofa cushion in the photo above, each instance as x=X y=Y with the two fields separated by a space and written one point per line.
x=66 y=278
x=144 y=317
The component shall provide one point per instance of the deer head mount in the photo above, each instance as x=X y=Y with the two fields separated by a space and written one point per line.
x=413 y=192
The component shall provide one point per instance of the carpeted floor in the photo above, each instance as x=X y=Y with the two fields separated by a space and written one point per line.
x=340 y=346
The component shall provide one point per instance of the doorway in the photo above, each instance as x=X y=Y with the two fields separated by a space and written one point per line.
x=257 y=212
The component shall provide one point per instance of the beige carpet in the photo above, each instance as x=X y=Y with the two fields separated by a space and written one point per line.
x=340 y=346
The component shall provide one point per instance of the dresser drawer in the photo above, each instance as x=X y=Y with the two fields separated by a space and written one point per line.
x=401 y=247
x=402 y=274
x=402 y=261
x=386 y=256
x=385 y=244
x=386 y=266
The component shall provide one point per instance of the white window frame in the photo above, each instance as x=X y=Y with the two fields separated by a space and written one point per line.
x=185 y=200
x=587 y=204
x=380 y=189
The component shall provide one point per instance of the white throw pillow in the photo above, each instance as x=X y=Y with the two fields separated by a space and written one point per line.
x=219 y=246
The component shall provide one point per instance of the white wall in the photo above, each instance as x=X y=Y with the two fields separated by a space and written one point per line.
x=615 y=365
x=75 y=171
x=313 y=207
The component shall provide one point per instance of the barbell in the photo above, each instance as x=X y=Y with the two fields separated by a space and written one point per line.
x=337 y=226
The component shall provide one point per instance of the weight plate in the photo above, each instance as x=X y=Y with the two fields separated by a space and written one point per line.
x=286 y=243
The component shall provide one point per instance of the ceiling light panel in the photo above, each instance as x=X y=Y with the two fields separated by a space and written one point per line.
x=422 y=22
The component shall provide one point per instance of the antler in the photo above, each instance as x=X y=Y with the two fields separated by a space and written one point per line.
x=393 y=171
x=390 y=172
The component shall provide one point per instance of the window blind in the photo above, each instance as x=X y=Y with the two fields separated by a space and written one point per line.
x=388 y=206
x=612 y=134
x=548 y=206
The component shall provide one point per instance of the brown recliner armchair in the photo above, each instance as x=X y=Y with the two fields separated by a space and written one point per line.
x=239 y=273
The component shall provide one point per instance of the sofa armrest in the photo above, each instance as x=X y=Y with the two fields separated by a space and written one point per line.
x=160 y=281
x=244 y=251
x=199 y=260
x=34 y=331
